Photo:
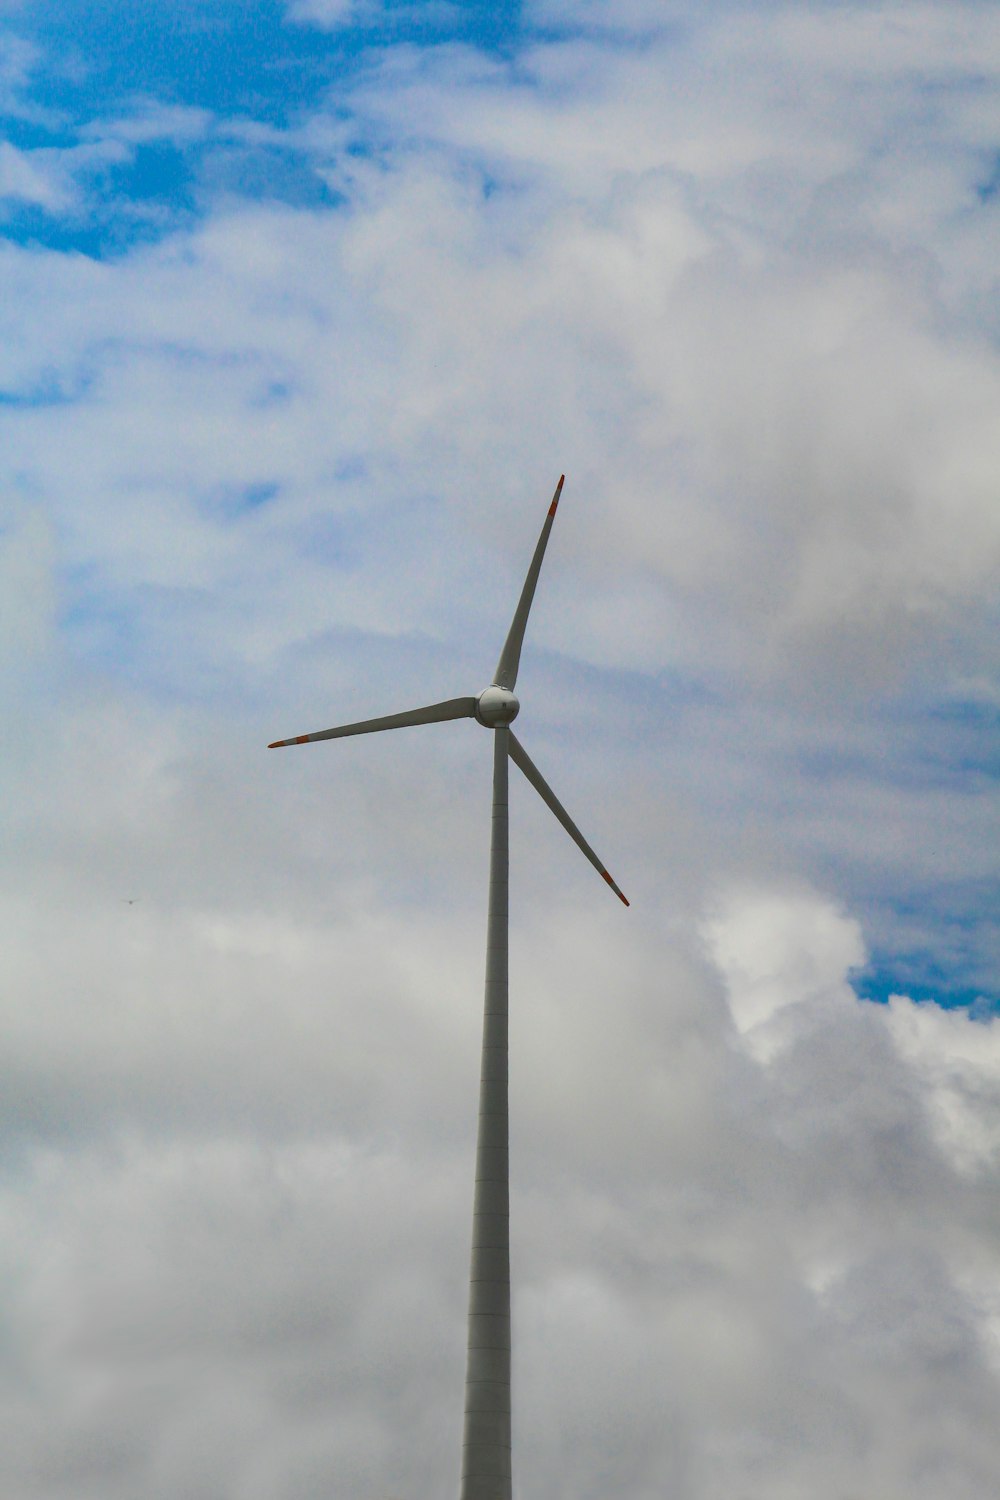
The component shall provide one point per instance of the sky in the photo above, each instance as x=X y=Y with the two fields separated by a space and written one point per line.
x=306 y=305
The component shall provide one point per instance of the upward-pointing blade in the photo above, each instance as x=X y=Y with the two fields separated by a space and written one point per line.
x=523 y=761
x=454 y=708
x=506 y=672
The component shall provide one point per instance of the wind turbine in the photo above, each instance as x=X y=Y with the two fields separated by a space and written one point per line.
x=486 y=1467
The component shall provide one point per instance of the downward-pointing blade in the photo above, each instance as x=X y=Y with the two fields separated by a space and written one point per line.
x=506 y=672
x=523 y=761
x=434 y=713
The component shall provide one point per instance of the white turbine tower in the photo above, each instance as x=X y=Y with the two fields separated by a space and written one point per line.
x=486 y=1468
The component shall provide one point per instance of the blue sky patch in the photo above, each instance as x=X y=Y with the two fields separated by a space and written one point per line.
x=882 y=983
x=102 y=71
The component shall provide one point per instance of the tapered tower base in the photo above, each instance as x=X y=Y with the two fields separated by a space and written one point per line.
x=486 y=1471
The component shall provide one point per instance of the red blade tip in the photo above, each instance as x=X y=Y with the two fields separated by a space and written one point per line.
x=615 y=888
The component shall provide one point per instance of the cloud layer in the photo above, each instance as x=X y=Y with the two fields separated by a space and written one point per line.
x=286 y=385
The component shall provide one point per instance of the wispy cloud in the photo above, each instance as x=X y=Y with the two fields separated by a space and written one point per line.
x=331 y=14
x=31 y=178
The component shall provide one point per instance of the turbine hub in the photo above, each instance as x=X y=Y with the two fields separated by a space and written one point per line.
x=496 y=707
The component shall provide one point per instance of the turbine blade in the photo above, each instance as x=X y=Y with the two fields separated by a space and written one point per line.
x=523 y=761
x=454 y=708
x=506 y=672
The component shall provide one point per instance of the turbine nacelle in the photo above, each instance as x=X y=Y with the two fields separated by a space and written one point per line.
x=496 y=707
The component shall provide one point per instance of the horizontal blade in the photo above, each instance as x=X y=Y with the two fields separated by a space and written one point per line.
x=523 y=761
x=506 y=672
x=434 y=713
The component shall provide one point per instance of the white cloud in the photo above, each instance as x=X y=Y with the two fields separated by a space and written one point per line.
x=19 y=59
x=776 y=950
x=150 y=120
x=958 y=1062
x=723 y=1276
x=28 y=177
x=798 y=426
x=59 y=180
x=330 y=14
